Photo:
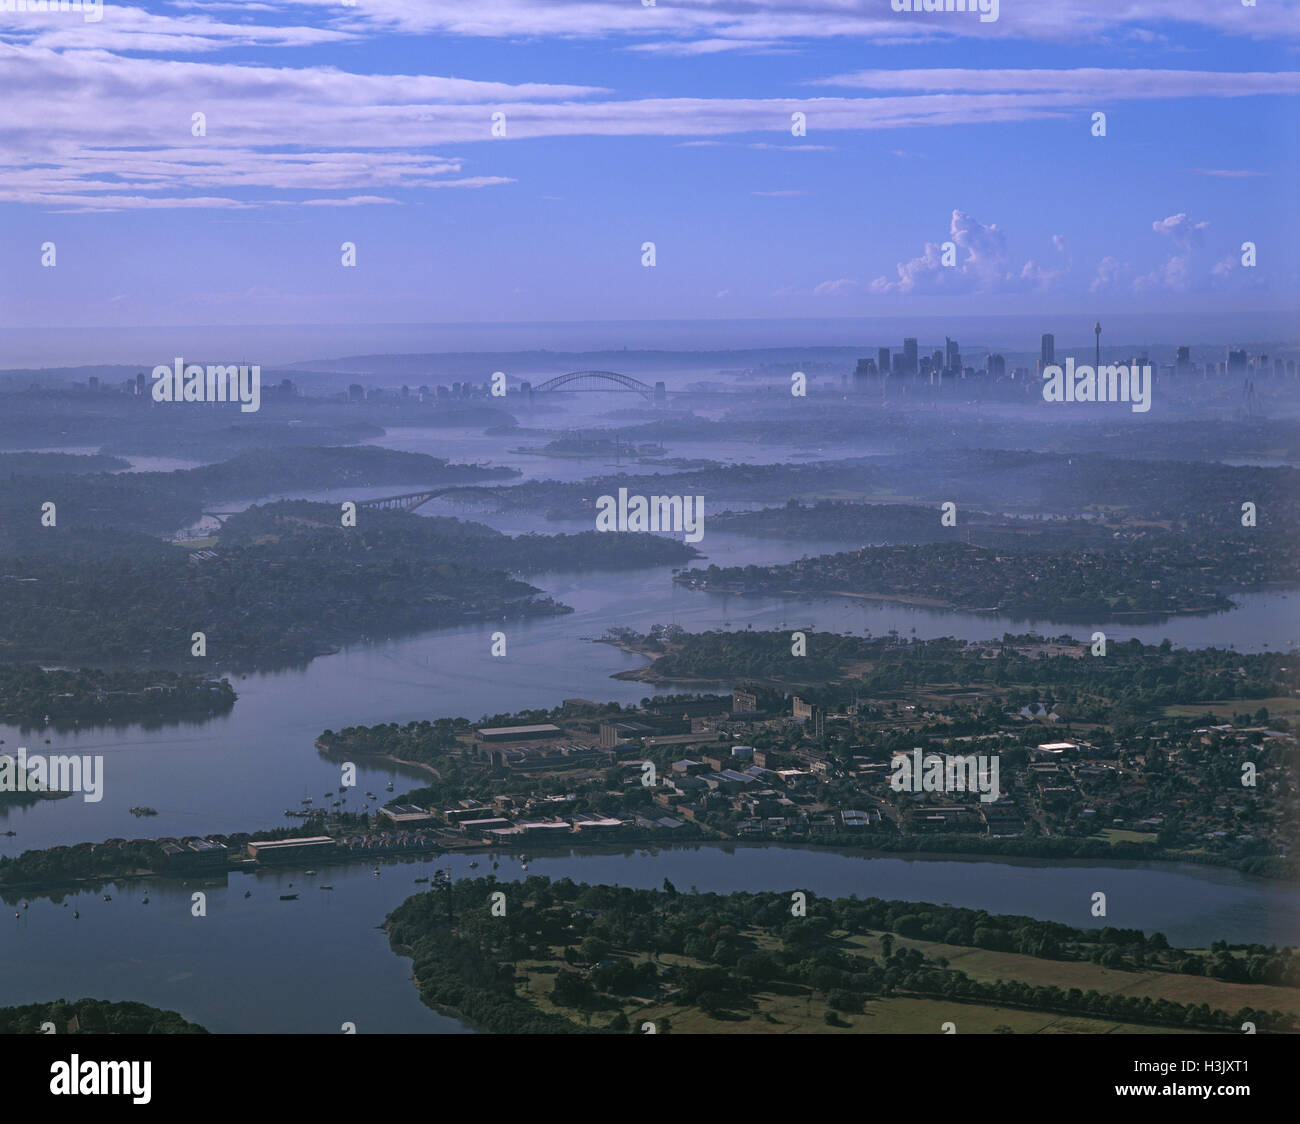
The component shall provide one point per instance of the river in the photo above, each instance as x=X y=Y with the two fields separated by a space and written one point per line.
x=260 y=965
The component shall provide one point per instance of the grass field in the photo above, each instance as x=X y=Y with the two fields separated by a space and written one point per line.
x=796 y=1009
x=985 y=965
x=1280 y=706
x=1118 y=835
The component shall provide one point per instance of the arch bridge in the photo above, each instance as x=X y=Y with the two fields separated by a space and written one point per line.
x=593 y=381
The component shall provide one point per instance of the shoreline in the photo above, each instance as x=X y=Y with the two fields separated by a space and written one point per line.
x=630 y=848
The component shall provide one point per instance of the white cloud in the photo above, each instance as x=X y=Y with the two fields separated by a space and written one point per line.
x=982 y=265
x=1110 y=272
x=835 y=288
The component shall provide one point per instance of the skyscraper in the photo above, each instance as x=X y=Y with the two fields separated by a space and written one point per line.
x=952 y=356
x=909 y=356
x=864 y=373
x=1048 y=353
x=882 y=360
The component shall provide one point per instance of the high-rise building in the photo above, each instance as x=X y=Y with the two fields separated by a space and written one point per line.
x=996 y=365
x=1047 y=356
x=882 y=360
x=909 y=357
x=1183 y=361
x=864 y=373
x=1236 y=361
x=952 y=357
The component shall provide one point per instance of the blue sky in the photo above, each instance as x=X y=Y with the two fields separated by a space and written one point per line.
x=372 y=124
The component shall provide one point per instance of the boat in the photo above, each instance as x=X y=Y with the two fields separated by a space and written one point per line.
x=305 y=800
x=75 y=914
x=523 y=866
x=327 y=887
x=144 y=901
x=288 y=897
x=108 y=897
x=473 y=865
x=375 y=872
x=309 y=872
x=389 y=786
x=421 y=880
x=248 y=893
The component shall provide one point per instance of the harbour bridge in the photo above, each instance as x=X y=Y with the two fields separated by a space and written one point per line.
x=591 y=382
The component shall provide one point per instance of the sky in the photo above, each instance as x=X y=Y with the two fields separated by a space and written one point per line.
x=628 y=123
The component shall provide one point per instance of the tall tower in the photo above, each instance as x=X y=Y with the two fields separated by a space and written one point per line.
x=1047 y=356
x=1096 y=331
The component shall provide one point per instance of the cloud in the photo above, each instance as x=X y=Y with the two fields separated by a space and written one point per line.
x=1175 y=273
x=83 y=121
x=981 y=264
x=1110 y=272
x=1227 y=174
x=780 y=24
x=1181 y=229
x=835 y=288
x=1072 y=86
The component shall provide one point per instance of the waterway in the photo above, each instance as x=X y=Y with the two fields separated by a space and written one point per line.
x=261 y=965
